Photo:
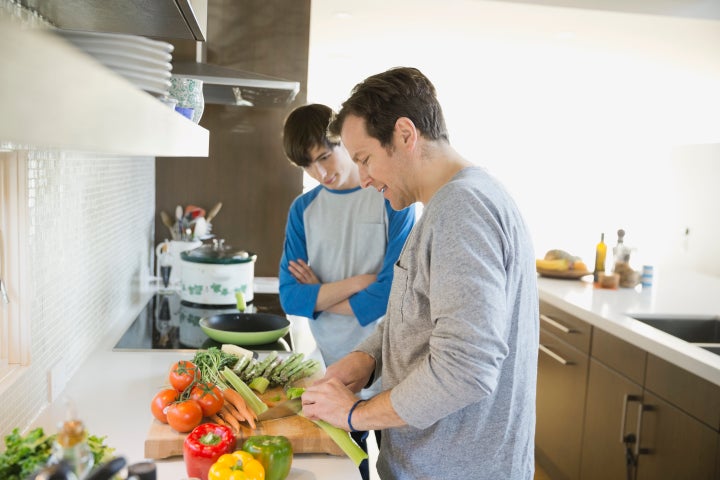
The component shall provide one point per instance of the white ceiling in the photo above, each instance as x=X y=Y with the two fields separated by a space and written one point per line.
x=700 y=9
x=703 y=9
x=351 y=39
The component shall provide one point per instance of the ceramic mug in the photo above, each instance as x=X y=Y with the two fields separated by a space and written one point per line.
x=189 y=94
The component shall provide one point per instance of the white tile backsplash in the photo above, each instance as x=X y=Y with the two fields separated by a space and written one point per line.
x=91 y=235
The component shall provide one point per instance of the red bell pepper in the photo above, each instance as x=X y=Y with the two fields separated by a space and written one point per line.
x=204 y=445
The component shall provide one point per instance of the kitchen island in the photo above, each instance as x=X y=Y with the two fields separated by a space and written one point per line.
x=673 y=294
x=112 y=391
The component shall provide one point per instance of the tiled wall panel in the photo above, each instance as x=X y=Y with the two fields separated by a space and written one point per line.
x=90 y=237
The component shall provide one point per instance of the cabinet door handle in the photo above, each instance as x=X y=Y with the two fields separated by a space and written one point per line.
x=553 y=355
x=554 y=323
x=627 y=398
x=641 y=408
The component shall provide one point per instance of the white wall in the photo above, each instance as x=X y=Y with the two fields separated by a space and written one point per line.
x=577 y=112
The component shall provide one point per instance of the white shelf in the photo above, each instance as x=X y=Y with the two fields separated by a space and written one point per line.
x=53 y=95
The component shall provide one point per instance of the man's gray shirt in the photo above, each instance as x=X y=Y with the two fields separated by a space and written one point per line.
x=459 y=344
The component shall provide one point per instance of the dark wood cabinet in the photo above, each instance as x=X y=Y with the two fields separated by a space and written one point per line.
x=562 y=376
x=602 y=400
x=673 y=437
x=613 y=402
x=674 y=445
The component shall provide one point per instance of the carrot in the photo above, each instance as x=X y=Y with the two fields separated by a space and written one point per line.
x=249 y=416
x=229 y=418
x=238 y=402
x=235 y=412
x=216 y=418
x=242 y=415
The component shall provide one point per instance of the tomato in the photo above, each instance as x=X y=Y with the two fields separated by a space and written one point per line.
x=184 y=416
x=209 y=396
x=161 y=401
x=183 y=374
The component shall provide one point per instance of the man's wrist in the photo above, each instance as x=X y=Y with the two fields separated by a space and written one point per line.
x=350 y=414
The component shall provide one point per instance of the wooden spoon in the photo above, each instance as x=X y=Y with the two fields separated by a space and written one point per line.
x=168 y=222
x=213 y=211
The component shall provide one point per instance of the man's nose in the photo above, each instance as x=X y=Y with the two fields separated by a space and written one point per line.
x=365 y=179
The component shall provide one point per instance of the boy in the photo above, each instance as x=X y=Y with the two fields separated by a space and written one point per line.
x=341 y=243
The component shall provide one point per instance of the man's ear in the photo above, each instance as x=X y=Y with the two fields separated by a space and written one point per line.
x=405 y=133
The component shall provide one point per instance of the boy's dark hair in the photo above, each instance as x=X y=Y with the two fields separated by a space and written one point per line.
x=305 y=128
x=383 y=98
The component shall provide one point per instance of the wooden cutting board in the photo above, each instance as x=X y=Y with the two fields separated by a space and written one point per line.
x=306 y=437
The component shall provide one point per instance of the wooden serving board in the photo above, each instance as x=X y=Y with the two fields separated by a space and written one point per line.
x=306 y=437
x=569 y=274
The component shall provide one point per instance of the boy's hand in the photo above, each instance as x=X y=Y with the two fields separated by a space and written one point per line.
x=302 y=272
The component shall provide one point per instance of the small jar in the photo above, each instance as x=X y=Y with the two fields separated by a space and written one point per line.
x=609 y=280
x=646 y=279
x=189 y=94
x=71 y=446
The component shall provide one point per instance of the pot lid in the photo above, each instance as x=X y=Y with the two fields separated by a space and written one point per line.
x=217 y=253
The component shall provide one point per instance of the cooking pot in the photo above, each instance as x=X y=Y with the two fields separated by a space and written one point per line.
x=245 y=328
x=213 y=273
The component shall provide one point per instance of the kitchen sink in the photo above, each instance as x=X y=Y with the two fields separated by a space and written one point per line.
x=711 y=348
x=698 y=329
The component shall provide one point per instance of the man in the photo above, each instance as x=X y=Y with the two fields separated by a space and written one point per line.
x=341 y=243
x=457 y=351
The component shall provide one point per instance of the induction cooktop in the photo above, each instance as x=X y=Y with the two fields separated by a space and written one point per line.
x=168 y=323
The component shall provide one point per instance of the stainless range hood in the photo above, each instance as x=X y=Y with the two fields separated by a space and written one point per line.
x=228 y=86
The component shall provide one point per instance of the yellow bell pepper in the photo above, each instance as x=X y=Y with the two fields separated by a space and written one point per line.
x=238 y=465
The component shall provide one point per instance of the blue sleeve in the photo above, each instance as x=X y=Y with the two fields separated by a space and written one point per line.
x=371 y=303
x=297 y=298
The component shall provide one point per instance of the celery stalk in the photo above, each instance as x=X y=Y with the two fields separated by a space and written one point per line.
x=344 y=441
x=338 y=435
x=259 y=384
x=255 y=404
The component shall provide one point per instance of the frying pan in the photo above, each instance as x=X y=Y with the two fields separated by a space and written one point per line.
x=245 y=328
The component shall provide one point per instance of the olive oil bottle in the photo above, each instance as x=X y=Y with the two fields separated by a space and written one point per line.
x=600 y=253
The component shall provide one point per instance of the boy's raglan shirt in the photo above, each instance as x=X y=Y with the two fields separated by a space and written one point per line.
x=342 y=233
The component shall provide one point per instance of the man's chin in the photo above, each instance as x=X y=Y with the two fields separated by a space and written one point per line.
x=396 y=204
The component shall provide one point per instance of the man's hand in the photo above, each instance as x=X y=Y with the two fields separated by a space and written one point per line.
x=353 y=370
x=302 y=272
x=330 y=401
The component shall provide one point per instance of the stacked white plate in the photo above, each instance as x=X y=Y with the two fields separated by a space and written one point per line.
x=143 y=62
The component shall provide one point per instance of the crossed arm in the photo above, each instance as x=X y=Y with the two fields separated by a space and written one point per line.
x=333 y=296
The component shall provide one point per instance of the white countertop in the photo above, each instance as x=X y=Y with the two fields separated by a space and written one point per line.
x=112 y=393
x=678 y=293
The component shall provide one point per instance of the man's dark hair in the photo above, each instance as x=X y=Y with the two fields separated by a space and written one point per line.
x=383 y=98
x=305 y=128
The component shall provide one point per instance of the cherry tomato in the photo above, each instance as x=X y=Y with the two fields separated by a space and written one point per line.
x=161 y=401
x=184 y=416
x=183 y=374
x=209 y=396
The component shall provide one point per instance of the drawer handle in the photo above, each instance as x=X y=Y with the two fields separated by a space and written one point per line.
x=554 y=323
x=553 y=355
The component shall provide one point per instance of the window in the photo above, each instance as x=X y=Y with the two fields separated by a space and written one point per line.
x=14 y=319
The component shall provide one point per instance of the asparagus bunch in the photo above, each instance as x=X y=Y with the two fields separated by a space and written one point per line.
x=273 y=370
